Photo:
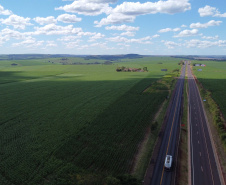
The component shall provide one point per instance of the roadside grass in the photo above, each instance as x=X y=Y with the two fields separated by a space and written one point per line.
x=66 y=122
x=182 y=165
x=167 y=84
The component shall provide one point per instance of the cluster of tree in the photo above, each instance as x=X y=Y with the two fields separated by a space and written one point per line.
x=181 y=62
x=128 y=69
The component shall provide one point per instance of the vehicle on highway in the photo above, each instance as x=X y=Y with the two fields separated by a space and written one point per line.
x=168 y=162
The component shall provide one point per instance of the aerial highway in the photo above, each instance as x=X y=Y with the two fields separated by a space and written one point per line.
x=170 y=137
x=203 y=161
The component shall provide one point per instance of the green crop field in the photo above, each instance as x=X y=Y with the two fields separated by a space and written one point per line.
x=213 y=78
x=60 y=122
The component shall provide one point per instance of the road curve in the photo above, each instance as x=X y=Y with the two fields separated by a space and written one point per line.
x=170 y=137
x=204 y=169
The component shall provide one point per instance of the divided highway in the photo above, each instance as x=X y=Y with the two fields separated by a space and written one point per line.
x=170 y=137
x=204 y=169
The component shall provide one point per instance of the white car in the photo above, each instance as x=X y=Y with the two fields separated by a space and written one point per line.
x=168 y=162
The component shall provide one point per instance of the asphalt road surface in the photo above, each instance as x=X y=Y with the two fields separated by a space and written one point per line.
x=170 y=137
x=204 y=169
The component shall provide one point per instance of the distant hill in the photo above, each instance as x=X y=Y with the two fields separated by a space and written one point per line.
x=86 y=57
x=35 y=56
x=113 y=57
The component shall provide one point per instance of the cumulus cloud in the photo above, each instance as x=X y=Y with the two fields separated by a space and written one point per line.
x=29 y=42
x=211 y=37
x=87 y=7
x=155 y=36
x=128 y=33
x=210 y=11
x=52 y=29
x=205 y=25
x=115 y=18
x=16 y=21
x=144 y=40
x=71 y=45
x=4 y=12
x=51 y=44
x=122 y=28
x=67 y=18
x=45 y=20
x=171 y=44
x=195 y=43
x=3 y=39
x=168 y=30
x=96 y=36
x=187 y=33
x=69 y=38
x=168 y=7
x=8 y=33
x=127 y=11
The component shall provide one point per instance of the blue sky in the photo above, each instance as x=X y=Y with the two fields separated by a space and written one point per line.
x=156 y=27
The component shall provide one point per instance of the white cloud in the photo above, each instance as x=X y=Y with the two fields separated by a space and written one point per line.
x=71 y=45
x=99 y=1
x=210 y=37
x=195 y=43
x=210 y=11
x=205 y=25
x=127 y=11
x=16 y=21
x=165 y=30
x=29 y=42
x=171 y=44
x=8 y=33
x=144 y=40
x=52 y=29
x=51 y=44
x=128 y=33
x=122 y=28
x=87 y=7
x=115 y=18
x=168 y=7
x=187 y=33
x=45 y=20
x=168 y=30
x=155 y=36
x=69 y=38
x=3 y=39
x=4 y=12
x=183 y=26
x=96 y=36
x=67 y=18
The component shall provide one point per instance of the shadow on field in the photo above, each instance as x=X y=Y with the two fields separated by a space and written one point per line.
x=53 y=127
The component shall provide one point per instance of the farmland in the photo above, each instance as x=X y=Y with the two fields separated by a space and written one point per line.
x=213 y=79
x=65 y=123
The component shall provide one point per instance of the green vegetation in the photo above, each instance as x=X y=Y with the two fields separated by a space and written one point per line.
x=182 y=168
x=77 y=124
x=213 y=82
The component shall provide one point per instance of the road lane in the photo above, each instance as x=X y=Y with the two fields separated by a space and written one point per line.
x=170 y=137
x=203 y=164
